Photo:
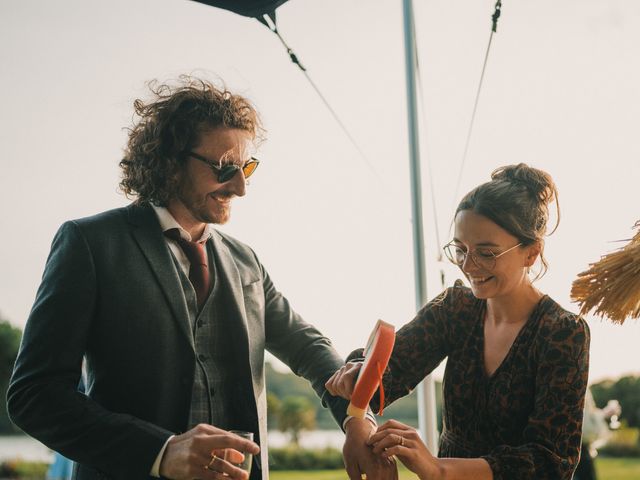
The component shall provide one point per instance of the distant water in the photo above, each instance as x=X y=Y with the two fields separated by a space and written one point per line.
x=315 y=439
x=27 y=448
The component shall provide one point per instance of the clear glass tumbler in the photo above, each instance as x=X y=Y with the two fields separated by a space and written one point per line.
x=246 y=463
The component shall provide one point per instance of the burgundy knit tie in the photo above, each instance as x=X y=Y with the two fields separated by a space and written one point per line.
x=199 y=269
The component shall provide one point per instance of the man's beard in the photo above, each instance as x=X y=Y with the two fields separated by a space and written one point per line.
x=199 y=208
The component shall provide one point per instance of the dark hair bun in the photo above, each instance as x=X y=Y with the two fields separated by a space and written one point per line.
x=537 y=182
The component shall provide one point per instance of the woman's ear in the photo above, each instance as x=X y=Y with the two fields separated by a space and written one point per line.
x=533 y=251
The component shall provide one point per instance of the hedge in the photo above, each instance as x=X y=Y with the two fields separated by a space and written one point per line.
x=291 y=458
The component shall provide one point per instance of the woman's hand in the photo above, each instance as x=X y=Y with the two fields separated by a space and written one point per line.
x=396 y=438
x=343 y=380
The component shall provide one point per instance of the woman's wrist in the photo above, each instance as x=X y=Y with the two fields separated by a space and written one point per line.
x=447 y=468
x=435 y=470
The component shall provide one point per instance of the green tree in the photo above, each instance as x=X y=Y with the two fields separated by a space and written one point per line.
x=627 y=391
x=295 y=415
x=284 y=384
x=9 y=343
x=273 y=409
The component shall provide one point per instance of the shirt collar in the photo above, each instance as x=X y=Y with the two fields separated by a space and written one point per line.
x=167 y=222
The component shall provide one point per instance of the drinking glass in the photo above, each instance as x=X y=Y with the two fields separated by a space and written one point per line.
x=246 y=463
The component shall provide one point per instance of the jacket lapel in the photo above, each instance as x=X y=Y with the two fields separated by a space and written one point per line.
x=148 y=234
x=248 y=347
x=230 y=280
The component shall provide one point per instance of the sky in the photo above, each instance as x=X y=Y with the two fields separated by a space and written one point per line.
x=335 y=232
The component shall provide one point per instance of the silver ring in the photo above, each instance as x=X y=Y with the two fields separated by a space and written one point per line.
x=401 y=441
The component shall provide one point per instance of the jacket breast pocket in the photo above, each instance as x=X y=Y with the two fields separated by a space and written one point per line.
x=254 y=305
x=253 y=295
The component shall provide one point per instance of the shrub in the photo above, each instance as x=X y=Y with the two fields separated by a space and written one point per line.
x=19 y=469
x=623 y=443
x=291 y=458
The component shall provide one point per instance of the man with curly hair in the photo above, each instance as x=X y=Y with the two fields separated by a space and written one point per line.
x=172 y=316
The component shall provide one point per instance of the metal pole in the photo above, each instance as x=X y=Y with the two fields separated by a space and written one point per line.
x=426 y=389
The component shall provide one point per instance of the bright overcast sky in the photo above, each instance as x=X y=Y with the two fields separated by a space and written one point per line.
x=561 y=93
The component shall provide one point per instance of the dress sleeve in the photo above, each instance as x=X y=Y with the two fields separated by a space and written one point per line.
x=551 y=446
x=420 y=346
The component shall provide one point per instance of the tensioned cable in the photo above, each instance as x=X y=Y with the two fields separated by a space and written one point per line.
x=269 y=22
x=494 y=27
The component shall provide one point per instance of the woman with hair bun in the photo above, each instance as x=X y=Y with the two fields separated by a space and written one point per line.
x=517 y=362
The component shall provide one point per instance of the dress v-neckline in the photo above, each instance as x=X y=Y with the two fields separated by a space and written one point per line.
x=483 y=309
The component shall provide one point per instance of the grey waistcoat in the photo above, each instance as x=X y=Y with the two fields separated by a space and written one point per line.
x=215 y=392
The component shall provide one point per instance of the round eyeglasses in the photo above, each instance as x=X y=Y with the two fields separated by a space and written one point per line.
x=226 y=172
x=483 y=258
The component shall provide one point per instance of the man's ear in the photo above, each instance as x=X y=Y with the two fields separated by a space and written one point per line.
x=533 y=252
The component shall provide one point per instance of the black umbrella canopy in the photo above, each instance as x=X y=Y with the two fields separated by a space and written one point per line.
x=248 y=8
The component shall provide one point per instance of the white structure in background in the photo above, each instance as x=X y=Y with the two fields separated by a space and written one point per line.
x=426 y=388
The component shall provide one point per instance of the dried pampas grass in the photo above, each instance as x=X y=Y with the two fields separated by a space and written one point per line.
x=611 y=286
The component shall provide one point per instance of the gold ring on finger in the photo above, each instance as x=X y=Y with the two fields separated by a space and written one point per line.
x=401 y=441
x=214 y=457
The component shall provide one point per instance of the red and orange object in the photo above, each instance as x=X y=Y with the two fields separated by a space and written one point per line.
x=376 y=357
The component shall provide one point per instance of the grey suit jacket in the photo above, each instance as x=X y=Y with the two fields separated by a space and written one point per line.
x=110 y=293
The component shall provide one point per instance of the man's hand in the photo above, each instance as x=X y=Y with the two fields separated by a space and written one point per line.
x=343 y=381
x=359 y=458
x=199 y=453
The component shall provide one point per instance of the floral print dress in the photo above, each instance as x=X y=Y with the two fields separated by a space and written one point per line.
x=526 y=418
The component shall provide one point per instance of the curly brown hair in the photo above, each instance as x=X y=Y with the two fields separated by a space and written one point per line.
x=170 y=125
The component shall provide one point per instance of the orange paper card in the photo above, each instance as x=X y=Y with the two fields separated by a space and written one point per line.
x=376 y=357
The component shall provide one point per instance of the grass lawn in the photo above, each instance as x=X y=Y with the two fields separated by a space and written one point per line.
x=607 y=468
x=324 y=475
x=618 y=468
